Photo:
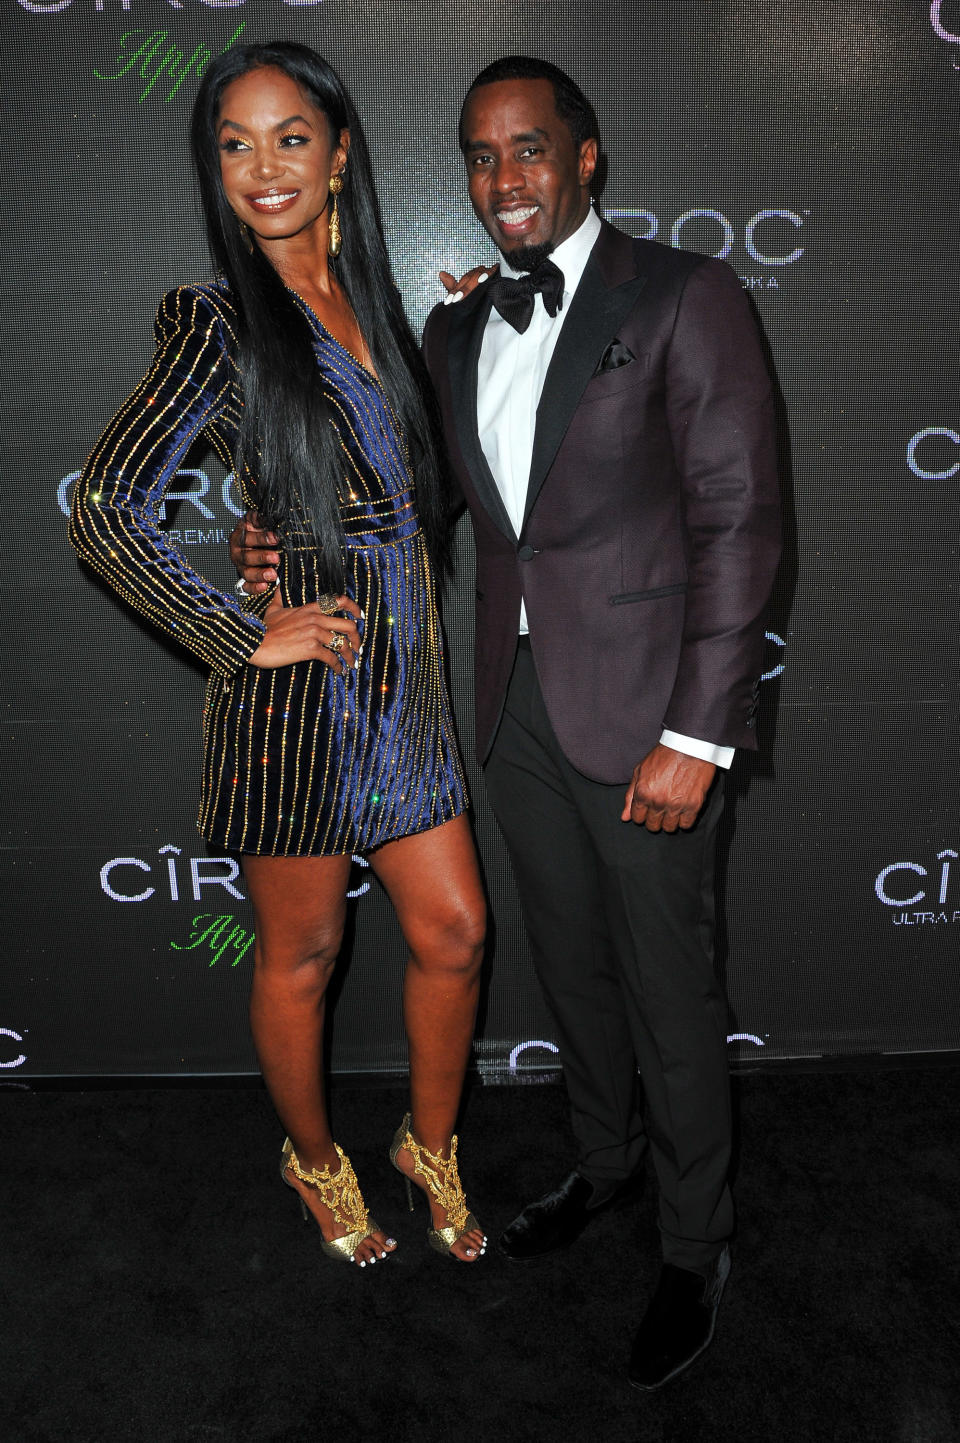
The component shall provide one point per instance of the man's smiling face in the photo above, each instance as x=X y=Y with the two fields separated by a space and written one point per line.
x=529 y=183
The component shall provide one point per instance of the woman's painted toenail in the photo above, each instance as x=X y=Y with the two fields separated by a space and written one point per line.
x=363 y=1265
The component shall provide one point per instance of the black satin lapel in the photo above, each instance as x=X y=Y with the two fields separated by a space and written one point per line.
x=595 y=314
x=463 y=349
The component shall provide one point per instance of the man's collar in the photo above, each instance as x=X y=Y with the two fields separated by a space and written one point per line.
x=571 y=255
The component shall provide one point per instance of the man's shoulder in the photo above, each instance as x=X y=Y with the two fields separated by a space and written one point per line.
x=673 y=275
x=446 y=311
x=652 y=255
x=446 y=319
x=435 y=319
x=667 y=257
x=434 y=333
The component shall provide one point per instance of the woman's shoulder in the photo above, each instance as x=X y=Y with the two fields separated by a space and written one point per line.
x=197 y=305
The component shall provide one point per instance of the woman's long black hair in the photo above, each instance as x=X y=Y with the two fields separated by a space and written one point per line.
x=286 y=439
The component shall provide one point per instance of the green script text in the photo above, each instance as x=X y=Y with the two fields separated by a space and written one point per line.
x=219 y=935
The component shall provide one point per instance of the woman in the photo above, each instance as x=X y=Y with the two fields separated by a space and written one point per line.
x=327 y=727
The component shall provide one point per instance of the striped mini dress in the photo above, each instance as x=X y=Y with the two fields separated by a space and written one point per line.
x=297 y=760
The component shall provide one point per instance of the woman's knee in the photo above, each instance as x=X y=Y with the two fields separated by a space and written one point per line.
x=305 y=964
x=452 y=939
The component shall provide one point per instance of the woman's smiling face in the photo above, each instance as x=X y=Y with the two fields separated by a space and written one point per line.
x=277 y=154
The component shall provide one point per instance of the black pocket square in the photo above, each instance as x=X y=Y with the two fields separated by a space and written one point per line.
x=616 y=354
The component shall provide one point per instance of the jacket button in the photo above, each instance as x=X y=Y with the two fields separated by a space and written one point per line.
x=525 y=553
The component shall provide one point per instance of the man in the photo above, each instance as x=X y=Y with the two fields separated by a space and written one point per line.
x=608 y=415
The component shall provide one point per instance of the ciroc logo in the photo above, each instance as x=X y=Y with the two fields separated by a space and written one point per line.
x=54 y=7
x=122 y=879
x=196 y=493
x=770 y=237
x=902 y=885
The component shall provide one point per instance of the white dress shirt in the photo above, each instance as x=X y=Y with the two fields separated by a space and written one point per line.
x=510 y=378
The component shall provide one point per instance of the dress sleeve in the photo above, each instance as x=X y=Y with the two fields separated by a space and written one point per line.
x=114 y=521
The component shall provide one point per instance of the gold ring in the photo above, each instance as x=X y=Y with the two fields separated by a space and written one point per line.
x=327 y=603
x=336 y=642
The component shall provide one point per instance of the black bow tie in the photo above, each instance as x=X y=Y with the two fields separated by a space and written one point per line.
x=514 y=299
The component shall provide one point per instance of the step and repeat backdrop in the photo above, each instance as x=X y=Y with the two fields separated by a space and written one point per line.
x=810 y=145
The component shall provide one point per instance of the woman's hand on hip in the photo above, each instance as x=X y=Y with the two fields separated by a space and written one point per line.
x=305 y=633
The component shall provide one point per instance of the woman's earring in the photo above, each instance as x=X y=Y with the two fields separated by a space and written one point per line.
x=245 y=233
x=334 y=238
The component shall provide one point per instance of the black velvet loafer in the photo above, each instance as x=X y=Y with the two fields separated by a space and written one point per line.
x=678 y=1325
x=557 y=1219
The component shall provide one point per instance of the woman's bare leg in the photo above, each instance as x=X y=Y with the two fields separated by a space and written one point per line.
x=433 y=880
x=299 y=905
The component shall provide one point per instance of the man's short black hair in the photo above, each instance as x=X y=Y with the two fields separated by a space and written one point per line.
x=572 y=105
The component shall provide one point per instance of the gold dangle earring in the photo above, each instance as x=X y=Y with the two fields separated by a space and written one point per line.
x=334 y=238
x=245 y=233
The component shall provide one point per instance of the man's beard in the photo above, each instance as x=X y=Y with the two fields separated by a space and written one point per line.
x=527 y=258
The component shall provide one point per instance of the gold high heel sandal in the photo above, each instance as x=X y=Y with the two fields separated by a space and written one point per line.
x=443 y=1180
x=341 y=1194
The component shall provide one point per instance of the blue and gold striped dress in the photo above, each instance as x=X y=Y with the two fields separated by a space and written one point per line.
x=297 y=761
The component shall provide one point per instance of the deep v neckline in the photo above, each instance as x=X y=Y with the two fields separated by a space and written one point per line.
x=331 y=337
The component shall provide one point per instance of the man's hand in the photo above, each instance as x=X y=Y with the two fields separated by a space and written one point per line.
x=457 y=289
x=254 y=554
x=667 y=790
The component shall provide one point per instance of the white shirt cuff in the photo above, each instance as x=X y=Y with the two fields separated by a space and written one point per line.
x=705 y=751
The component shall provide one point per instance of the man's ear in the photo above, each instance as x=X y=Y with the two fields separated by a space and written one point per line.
x=588 y=161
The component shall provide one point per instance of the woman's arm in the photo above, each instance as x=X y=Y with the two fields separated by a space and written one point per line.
x=114 y=520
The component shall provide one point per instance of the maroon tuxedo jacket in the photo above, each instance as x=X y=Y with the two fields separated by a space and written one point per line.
x=651 y=531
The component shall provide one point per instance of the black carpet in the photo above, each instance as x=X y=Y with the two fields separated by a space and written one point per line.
x=160 y=1286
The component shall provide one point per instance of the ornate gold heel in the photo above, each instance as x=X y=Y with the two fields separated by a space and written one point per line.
x=443 y=1180
x=340 y=1193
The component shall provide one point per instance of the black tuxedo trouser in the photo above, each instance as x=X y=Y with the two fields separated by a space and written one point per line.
x=621 y=924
